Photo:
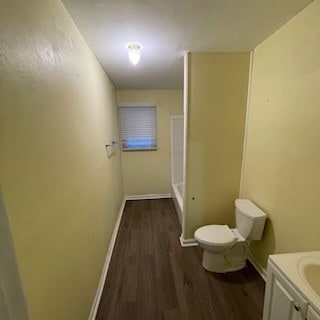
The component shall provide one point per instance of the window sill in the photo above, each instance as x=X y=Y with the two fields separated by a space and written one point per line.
x=139 y=149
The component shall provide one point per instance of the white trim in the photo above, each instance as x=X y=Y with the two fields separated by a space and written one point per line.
x=262 y=271
x=185 y=136
x=148 y=196
x=187 y=242
x=97 y=297
x=244 y=152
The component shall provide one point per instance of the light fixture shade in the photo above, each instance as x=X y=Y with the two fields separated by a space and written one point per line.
x=134 y=50
x=134 y=56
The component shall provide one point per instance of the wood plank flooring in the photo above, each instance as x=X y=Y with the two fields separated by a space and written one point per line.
x=152 y=277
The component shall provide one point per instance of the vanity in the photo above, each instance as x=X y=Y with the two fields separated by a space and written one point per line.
x=293 y=287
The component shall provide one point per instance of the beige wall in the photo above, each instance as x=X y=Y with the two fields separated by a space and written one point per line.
x=282 y=173
x=12 y=301
x=218 y=85
x=62 y=191
x=149 y=172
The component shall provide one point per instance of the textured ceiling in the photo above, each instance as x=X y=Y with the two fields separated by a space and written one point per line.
x=168 y=27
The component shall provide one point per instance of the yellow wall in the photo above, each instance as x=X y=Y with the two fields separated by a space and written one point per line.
x=62 y=191
x=282 y=173
x=218 y=85
x=149 y=172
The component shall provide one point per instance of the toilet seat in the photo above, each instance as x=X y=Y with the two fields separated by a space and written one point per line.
x=215 y=235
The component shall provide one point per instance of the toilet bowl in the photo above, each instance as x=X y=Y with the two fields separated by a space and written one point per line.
x=226 y=249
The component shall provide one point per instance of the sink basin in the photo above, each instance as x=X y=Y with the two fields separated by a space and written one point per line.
x=309 y=268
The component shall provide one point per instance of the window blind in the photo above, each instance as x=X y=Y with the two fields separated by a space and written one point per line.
x=138 y=127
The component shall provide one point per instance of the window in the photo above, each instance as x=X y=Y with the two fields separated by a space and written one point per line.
x=138 y=127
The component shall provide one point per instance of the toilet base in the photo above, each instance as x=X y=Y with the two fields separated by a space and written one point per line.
x=221 y=264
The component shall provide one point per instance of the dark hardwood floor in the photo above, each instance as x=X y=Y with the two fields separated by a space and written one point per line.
x=152 y=277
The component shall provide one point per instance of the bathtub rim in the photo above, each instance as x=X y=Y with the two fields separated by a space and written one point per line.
x=177 y=194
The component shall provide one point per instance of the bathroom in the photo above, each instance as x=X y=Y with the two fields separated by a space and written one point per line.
x=250 y=130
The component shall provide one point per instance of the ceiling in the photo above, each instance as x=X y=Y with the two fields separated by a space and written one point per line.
x=166 y=28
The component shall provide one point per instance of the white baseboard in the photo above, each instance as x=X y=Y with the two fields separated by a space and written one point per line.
x=187 y=242
x=97 y=297
x=148 y=196
x=262 y=271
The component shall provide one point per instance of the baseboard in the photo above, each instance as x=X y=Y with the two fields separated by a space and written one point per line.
x=187 y=242
x=262 y=271
x=148 y=196
x=97 y=297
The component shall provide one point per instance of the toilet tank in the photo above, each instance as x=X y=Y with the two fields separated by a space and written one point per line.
x=250 y=219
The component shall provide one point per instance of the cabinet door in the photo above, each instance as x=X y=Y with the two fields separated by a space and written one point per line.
x=283 y=306
x=312 y=314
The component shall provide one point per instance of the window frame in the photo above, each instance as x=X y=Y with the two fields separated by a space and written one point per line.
x=138 y=105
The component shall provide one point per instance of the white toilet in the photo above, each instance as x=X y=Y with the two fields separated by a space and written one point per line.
x=227 y=249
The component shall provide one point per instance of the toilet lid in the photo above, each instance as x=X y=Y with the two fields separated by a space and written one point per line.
x=218 y=235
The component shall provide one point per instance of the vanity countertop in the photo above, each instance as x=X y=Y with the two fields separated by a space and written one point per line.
x=291 y=266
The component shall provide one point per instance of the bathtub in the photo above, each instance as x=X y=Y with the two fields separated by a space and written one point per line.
x=177 y=196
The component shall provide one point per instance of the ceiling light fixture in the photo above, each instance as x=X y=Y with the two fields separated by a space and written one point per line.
x=134 y=50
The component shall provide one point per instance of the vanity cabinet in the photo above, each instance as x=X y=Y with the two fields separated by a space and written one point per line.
x=312 y=314
x=283 y=301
